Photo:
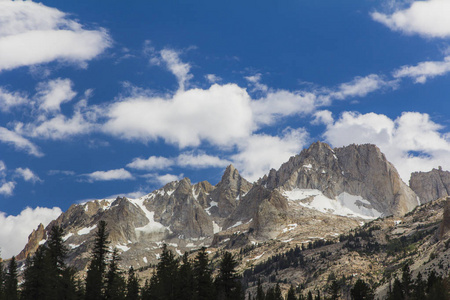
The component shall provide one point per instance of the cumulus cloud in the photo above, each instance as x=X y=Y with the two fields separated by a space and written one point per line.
x=19 y=142
x=322 y=117
x=200 y=161
x=117 y=174
x=32 y=33
x=186 y=159
x=213 y=78
x=282 y=103
x=163 y=179
x=218 y=115
x=260 y=153
x=424 y=70
x=412 y=142
x=7 y=188
x=15 y=229
x=27 y=175
x=151 y=163
x=9 y=99
x=426 y=18
x=53 y=93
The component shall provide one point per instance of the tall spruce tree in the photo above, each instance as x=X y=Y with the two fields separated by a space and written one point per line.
x=115 y=283
x=361 y=291
x=204 y=289
x=132 y=285
x=186 y=279
x=166 y=272
x=11 y=281
x=291 y=294
x=227 y=283
x=260 y=295
x=95 y=278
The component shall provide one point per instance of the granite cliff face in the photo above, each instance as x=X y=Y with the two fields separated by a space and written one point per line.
x=431 y=185
x=353 y=173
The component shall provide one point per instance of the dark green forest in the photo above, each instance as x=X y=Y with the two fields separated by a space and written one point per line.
x=46 y=277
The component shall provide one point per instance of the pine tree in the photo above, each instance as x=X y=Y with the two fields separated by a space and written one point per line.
x=35 y=283
x=166 y=272
x=310 y=296
x=419 y=287
x=291 y=294
x=97 y=267
x=407 y=283
x=132 y=285
x=227 y=284
x=115 y=283
x=11 y=282
x=334 y=290
x=202 y=275
x=277 y=293
x=259 y=291
x=186 y=279
x=361 y=291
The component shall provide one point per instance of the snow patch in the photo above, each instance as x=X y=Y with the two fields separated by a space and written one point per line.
x=67 y=236
x=124 y=248
x=290 y=227
x=287 y=241
x=216 y=228
x=236 y=224
x=42 y=242
x=73 y=246
x=343 y=205
x=145 y=259
x=152 y=225
x=213 y=203
x=308 y=166
x=86 y=230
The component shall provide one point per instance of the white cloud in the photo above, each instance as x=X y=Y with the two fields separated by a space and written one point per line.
x=15 y=229
x=163 y=179
x=200 y=161
x=2 y=168
x=361 y=86
x=213 y=78
x=259 y=153
x=117 y=174
x=424 y=70
x=9 y=100
x=219 y=115
x=53 y=93
x=57 y=128
x=426 y=18
x=171 y=58
x=412 y=142
x=7 y=188
x=27 y=175
x=151 y=163
x=277 y=104
x=322 y=117
x=32 y=33
x=19 y=142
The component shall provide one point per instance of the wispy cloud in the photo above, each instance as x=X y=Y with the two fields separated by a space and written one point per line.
x=19 y=142
x=423 y=71
x=426 y=18
x=117 y=174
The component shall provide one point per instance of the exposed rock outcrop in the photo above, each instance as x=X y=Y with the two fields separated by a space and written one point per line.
x=33 y=242
x=430 y=185
x=356 y=169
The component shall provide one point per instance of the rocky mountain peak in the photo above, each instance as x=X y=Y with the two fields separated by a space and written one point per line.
x=34 y=238
x=229 y=191
x=430 y=185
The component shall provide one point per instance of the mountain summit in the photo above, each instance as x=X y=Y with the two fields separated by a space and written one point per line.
x=328 y=191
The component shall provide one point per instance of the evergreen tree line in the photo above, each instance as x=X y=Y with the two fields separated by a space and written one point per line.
x=47 y=277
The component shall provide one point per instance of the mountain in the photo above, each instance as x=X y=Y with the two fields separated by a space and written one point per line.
x=316 y=195
x=431 y=185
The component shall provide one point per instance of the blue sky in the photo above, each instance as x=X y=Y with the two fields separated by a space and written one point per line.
x=104 y=98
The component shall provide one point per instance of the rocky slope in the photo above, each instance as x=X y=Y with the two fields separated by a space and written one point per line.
x=318 y=194
x=431 y=185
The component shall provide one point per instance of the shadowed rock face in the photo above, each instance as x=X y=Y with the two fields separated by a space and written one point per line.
x=33 y=242
x=356 y=169
x=431 y=185
x=444 y=229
